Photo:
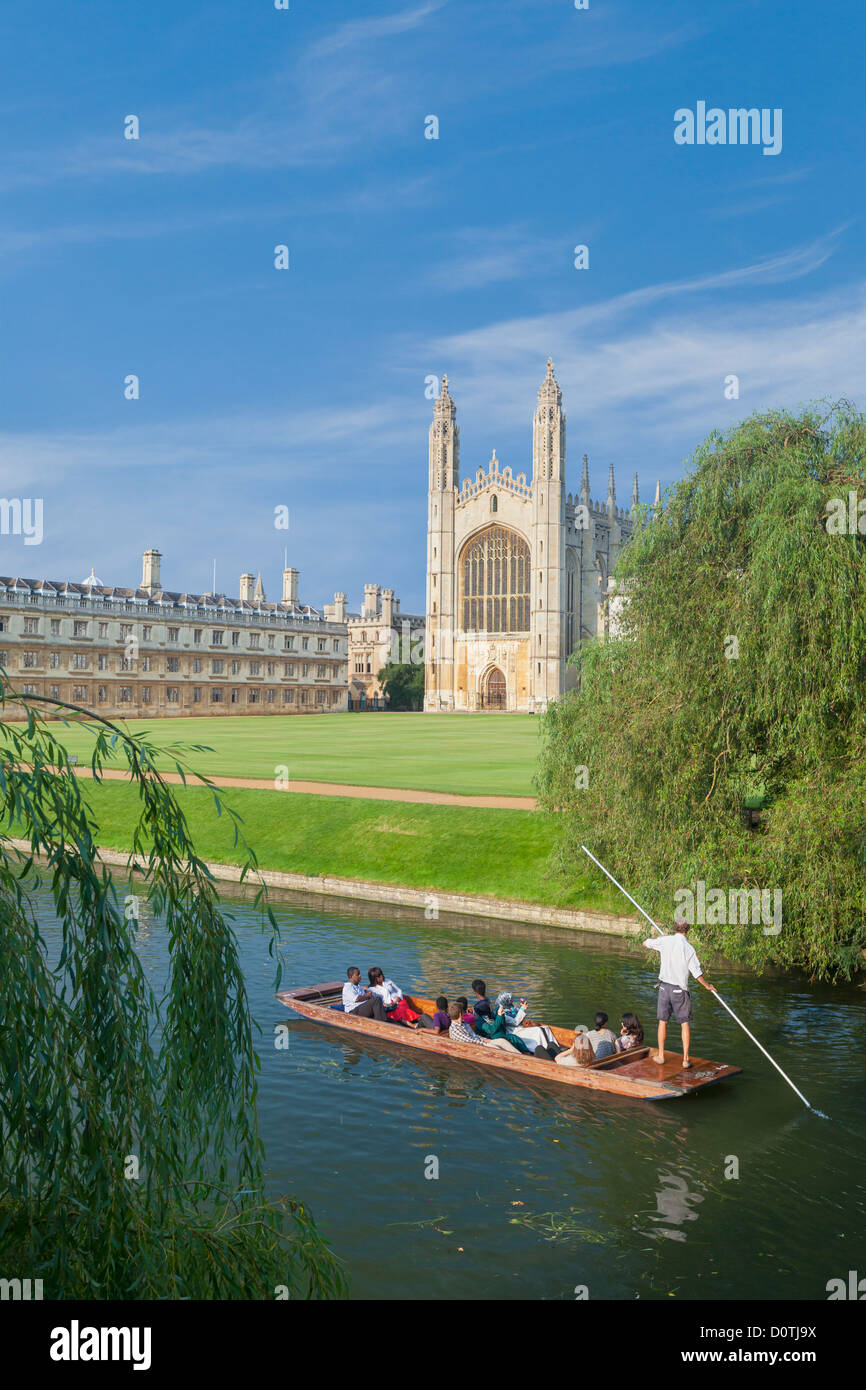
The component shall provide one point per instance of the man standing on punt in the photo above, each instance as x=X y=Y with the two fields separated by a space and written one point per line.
x=678 y=960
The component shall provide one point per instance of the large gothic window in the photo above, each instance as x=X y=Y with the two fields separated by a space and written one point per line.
x=494 y=582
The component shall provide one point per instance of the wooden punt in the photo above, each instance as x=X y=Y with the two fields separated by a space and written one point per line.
x=631 y=1073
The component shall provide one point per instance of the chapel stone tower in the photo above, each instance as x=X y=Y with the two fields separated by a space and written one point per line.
x=444 y=482
x=547 y=619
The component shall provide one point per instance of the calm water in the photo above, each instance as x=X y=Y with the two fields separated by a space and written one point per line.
x=540 y=1191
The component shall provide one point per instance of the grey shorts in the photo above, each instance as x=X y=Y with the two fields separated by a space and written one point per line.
x=674 y=1003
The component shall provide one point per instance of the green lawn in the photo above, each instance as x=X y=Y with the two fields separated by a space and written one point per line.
x=492 y=754
x=501 y=853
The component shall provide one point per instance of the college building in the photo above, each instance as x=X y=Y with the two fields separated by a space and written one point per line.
x=518 y=570
x=149 y=652
x=378 y=634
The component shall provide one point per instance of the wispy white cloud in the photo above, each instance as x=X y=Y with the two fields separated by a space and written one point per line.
x=358 y=31
x=218 y=479
x=479 y=256
x=499 y=341
x=283 y=446
x=339 y=94
x=347 y=90
x=643 y=374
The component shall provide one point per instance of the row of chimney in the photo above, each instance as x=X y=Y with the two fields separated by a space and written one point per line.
x=152 y=583
x=251 y=591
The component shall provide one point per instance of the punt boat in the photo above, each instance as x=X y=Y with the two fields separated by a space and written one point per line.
x=632 y=1073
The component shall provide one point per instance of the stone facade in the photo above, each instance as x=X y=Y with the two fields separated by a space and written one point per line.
x=378 y=634
x=148 y=652
x=518 y=572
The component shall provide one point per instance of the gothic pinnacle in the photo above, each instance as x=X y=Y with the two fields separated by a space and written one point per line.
x=584 y=482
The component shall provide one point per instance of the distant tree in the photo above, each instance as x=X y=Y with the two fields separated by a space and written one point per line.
x=403 y=683
x=99 y=1079
x=739 y=678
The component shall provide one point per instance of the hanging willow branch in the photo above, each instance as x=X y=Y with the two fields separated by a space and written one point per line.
x=100 y=1079
x=740 y=549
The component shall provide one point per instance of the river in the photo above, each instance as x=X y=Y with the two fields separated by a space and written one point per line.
x=541 y=1193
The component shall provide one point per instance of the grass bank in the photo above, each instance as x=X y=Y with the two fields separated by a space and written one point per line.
x=473 y=754
x=501 y=853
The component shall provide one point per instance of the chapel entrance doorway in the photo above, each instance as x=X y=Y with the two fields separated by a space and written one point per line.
x=494 y=692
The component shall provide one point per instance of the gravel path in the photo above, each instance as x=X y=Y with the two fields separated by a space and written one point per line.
x=500 y=803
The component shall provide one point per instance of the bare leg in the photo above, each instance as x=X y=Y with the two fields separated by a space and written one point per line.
x=660 y=1055
x=687 y=1038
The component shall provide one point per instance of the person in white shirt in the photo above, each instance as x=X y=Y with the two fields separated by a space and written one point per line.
x=397 y=1009
x=359 y=1001
x=678 y=960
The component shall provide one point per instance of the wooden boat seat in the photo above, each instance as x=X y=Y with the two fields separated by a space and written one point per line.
x=617 y=1059
x=312 y=992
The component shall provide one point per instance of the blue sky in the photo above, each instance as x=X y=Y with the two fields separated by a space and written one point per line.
x=409 y=257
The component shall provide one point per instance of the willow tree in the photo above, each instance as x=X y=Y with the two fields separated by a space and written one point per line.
x=737 y=680
x=130 y=1161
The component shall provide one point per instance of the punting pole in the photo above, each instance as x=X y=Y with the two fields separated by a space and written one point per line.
x=714 y=991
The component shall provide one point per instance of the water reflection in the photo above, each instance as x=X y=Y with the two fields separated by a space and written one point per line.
x=674 y=1201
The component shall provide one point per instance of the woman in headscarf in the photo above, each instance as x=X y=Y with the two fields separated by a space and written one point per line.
x=535 y=1038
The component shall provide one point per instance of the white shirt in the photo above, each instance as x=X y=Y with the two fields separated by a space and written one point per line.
x=388 y=992
x=352 y=996
x=678 y=959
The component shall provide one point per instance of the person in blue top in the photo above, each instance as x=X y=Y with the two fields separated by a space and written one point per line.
x=482 y=1007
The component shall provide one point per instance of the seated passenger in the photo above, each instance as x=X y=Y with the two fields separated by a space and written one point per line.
x=602 y=1040
x=631 y=1034
x=580 y=1053
x=397 y=1009
x=441 y=1021
x=497 y=1027
x=535 y=1038
x=482 y=1007
x=493 y=1026
x=469 y=1017
x=359 y=1001
x=459 y=1032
